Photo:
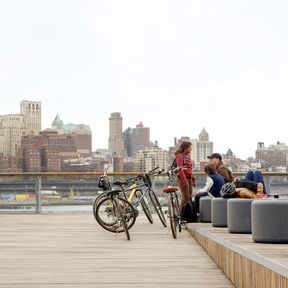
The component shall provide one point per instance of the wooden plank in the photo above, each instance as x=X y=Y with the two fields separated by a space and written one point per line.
x=72 y=250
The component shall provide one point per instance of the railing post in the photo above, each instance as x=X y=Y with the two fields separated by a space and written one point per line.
x=267 y=183
x=38 y=194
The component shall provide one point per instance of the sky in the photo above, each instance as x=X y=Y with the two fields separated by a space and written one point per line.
x=176 y=66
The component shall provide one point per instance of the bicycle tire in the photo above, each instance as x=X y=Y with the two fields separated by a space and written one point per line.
x=96 y=201
x=173 y=221
x=178 y=212
x=106 y=214
x=119 y=209
x=145 y=207
x=157 y=207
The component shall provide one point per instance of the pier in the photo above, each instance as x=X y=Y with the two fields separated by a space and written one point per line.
x=72 y=250
x=43 y=247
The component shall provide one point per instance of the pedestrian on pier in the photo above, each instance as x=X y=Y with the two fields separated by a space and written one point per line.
x=185 y=176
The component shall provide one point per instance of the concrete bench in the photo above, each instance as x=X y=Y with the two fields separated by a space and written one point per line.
x=269 y=221
x=219 y=212
x=205 y=209
x=239 y=215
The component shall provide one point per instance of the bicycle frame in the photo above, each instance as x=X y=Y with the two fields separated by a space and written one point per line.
x=134 y=188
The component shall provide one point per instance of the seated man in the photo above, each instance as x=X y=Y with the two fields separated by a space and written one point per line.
x=221 y=169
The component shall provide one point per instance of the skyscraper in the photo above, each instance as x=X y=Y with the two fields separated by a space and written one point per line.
x=140 y=138
x=136 y=139
x=116 y=141
x=202 y=147
x=31 y=110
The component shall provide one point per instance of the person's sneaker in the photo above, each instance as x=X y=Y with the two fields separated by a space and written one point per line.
x=260 y=188
x=183 y=224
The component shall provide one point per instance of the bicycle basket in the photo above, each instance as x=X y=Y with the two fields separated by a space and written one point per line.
x=147 y=180
x=104 y=183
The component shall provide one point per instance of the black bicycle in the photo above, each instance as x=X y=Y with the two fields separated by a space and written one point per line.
x=136 y=194
x=173 y=206
x=115 y=214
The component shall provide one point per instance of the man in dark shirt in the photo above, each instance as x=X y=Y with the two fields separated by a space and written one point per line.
x=221 y=169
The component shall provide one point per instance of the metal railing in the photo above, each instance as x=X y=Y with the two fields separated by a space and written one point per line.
x=29 y=192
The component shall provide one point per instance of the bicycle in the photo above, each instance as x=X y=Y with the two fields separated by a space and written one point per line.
x=173 y=205
x=105 y=184
x=114 y=213
x=136 y=189
x=154 y=200
x=135 y=193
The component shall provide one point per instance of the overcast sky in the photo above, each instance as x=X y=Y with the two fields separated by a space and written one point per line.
x=177 y=66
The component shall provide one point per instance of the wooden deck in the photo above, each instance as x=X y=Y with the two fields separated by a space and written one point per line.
x=246 y=263
x=72 y=250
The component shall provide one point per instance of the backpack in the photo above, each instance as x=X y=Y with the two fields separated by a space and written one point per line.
x=174 y=163
x=188 y=212
x=104 y=183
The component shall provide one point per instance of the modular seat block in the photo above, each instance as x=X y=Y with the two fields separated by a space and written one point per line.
x=219 y=212
x=239 y=215
x=205 y=209
x=269 y=221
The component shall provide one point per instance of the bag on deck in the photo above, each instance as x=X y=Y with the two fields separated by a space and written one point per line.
x=188 y=212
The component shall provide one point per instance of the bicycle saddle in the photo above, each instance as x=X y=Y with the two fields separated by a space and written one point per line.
x=120 y=183
x=170 y=189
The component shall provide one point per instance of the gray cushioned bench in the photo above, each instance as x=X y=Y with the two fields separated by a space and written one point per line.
x=239 y=215
x=205 y=209
x=219 y=212
x=269 y=221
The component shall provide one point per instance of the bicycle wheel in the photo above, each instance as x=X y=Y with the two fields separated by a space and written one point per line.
x=157 y=207
x=121 y=217
x=96 y=201
x=144 y=205
x=173 y=221
x=177 y=209
x=106 y=214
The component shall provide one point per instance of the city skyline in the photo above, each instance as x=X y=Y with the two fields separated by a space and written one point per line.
x=174 y=66
x=120 y=131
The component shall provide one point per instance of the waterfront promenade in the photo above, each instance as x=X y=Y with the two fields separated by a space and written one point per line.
x=72 y=250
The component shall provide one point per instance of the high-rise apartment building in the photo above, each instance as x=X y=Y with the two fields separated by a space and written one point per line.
x=116 y=141
x=13 y=126
x=148 y=159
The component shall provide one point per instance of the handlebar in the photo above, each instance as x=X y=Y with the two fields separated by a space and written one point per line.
x=150 y=173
